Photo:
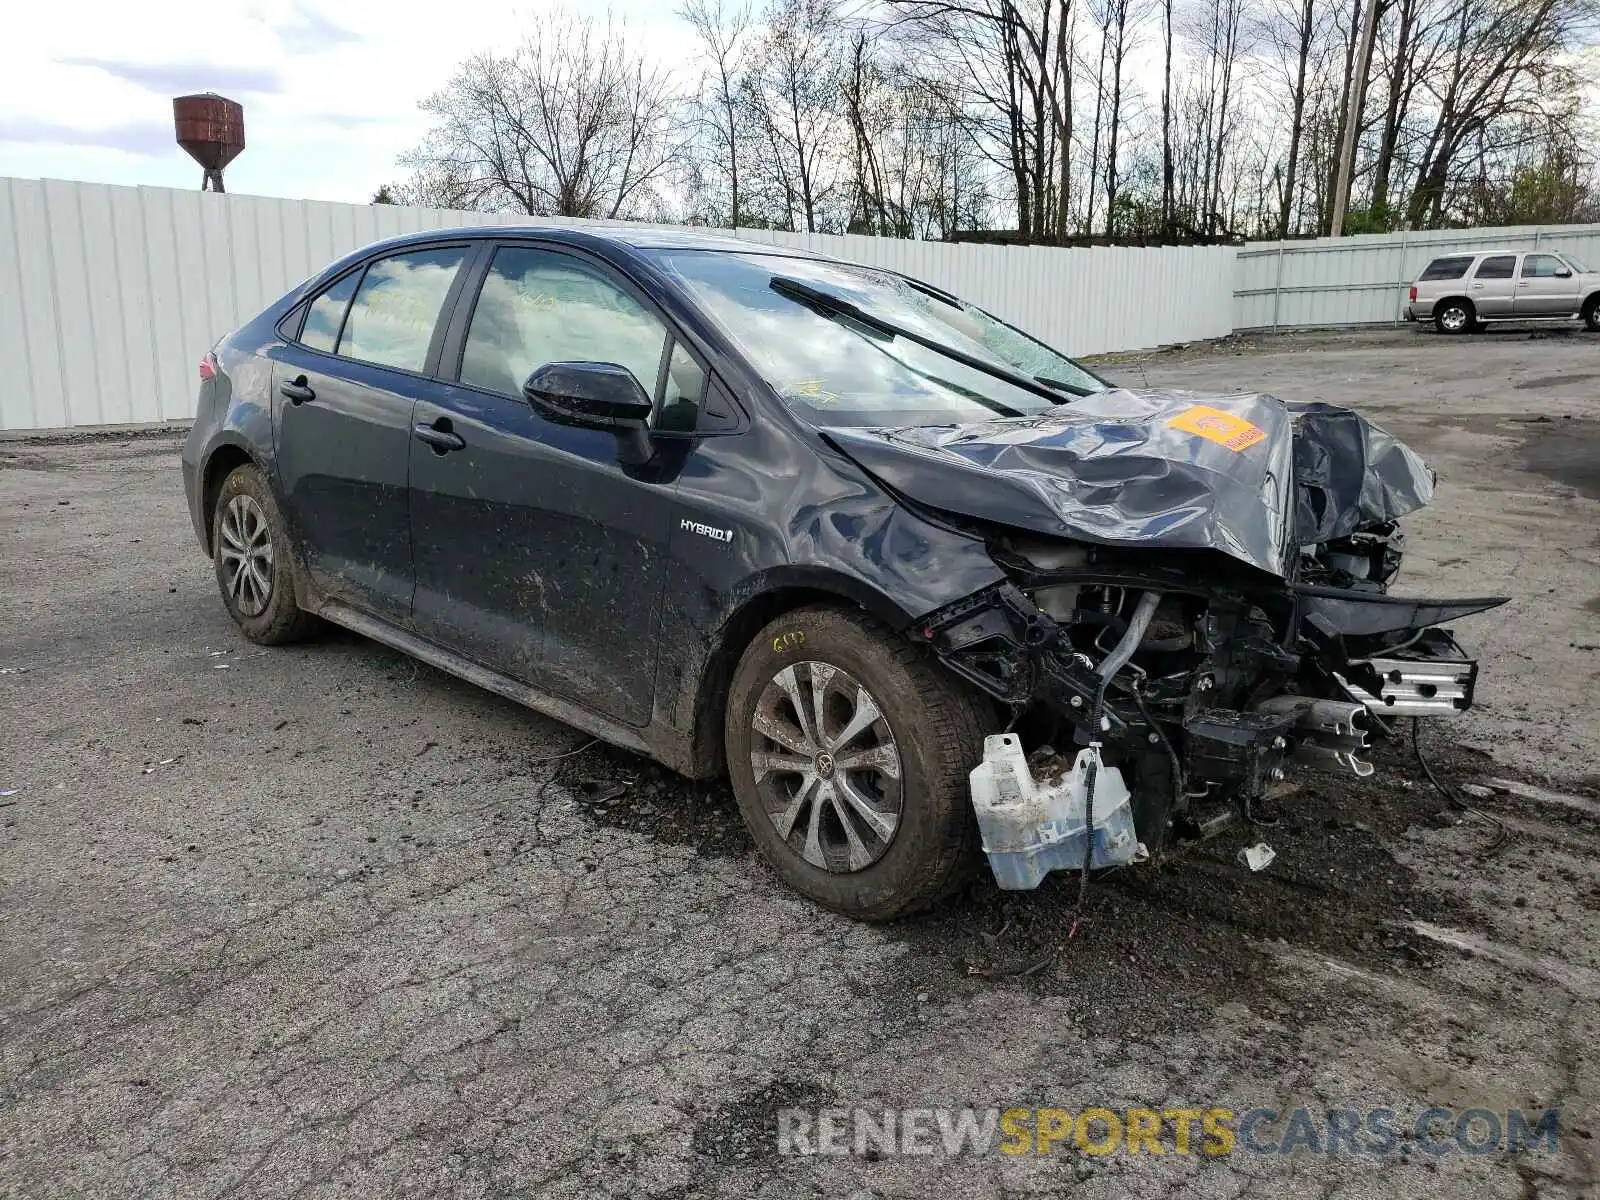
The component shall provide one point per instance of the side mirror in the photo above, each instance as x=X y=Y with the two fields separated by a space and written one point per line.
x=593 y=395
x=1563 y=273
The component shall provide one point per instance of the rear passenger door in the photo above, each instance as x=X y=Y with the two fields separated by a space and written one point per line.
x=1546 y=287
x=1493 y=286
x=539 y=552
x=344 y=386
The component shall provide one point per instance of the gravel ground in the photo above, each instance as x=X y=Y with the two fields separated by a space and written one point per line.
x=321 y=921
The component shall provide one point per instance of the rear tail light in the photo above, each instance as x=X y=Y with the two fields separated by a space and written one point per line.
x=1413 y=291
x=208 y=368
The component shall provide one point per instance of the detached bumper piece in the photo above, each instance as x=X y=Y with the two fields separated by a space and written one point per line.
x=1431 y=677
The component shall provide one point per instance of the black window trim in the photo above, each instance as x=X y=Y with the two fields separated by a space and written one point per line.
x=441 y=325
x=454 y=346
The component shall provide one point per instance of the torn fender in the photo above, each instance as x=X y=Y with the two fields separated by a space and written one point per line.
x=1245 y=474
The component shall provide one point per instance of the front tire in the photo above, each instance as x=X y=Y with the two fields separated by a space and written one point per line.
x=1455 y=316
x=1591 y=315
x=254 y=563
x=849 y=749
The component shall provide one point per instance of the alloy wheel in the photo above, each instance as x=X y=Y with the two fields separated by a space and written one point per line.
x=246 y=553
x=1454 y=318
x=826 y=767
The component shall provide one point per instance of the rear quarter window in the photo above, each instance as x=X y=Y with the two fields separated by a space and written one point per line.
x=326 y=314
x=1446 y=268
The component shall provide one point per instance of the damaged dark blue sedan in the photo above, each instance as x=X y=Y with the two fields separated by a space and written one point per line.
x=914 y=581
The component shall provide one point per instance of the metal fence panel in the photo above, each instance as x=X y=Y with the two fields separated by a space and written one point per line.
x=110 y=295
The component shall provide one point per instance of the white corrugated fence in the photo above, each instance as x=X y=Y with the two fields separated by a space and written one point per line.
x=110 y=295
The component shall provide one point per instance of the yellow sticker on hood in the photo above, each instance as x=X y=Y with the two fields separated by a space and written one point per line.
x=1217 y=426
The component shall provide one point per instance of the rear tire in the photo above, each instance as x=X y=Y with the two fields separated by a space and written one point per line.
x=254 y=562
x=1455 y=316
x=821 y=822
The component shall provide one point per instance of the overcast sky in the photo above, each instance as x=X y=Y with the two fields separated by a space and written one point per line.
x=329 y=88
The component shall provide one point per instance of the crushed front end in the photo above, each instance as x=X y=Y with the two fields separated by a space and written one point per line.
x=1203 y=691
x=1208 y=611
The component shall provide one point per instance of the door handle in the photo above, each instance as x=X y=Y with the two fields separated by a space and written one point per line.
x=439 y=435
x=296 y=390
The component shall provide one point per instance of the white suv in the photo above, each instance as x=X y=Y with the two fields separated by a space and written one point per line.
x=1461 y=292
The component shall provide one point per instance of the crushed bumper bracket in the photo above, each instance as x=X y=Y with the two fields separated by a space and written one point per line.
x=1431 y=677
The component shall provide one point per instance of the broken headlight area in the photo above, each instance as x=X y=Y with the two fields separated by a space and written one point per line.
x=1192 y=683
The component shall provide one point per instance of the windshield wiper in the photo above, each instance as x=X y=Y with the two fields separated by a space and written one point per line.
x=1061 y=385
x=830 y=305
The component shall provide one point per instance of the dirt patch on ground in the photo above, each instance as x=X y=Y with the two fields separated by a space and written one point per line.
x=1567 y=452
x=1176 y=938
x=623 y=791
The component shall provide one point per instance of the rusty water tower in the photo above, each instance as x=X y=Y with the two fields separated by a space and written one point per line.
x=211 y=128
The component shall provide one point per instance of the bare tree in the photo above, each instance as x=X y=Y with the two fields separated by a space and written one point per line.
x=1007 y=65
x=573 y=123
x=1166 y=117
x=1501 y=63
x=1120 y=42
x=792 y=90
x=437 y=186
x=944 y=118
x=725 y=34
x=1294 y=30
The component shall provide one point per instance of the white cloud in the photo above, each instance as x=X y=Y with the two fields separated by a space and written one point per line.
x=330 y=89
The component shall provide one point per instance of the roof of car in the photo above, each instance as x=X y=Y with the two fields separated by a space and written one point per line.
x=635 y=237
x=1496 y=250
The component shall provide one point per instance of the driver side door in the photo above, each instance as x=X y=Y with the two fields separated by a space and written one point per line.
x=1546 y=287
x=538 y=553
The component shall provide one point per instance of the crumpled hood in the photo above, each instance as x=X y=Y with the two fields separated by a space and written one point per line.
x=1247 y=474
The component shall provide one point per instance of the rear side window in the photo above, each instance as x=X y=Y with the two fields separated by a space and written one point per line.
x=1500 y=266
x=1446 y=268
x=392 y=318
x=326 y=314
x=1542 y=266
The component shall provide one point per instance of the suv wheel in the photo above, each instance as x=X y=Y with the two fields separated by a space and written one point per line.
x=1591 y=314
x=255 y=567
x=849 y=752
x=1455 y=316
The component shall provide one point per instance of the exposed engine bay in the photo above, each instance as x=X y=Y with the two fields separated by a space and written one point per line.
x=1198 y=592
x=1205 y=694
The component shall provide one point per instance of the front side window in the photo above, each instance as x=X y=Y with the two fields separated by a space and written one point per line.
x=1542 y=266
x=837 y=371
x=1500 y=266
x=392 y=318
x=539 y=307
x=1447 y=268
